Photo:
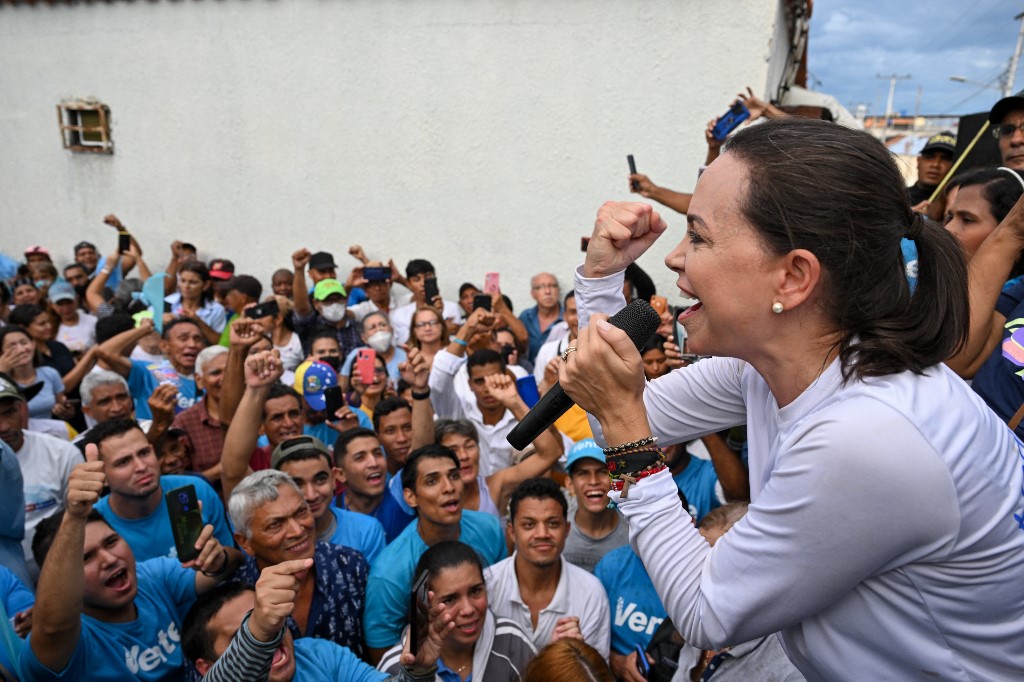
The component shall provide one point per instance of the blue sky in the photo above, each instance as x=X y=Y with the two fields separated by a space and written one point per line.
x=852 y=42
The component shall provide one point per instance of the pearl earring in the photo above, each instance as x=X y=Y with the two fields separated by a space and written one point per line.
x=777 y=307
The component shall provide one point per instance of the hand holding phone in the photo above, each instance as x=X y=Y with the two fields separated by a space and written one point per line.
x=418 y=613
x=737 y=114
x=643 y=666
x=491 y=283
x=124 y=242
x=430 y=291
x=266 y=309
x=366 y=361
x=633 y=184
x=482 y=301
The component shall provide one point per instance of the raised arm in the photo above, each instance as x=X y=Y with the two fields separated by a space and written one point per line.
x=114 y=351
x=416 y=373
x=261 y=371
x=988 y=270
x=81 y=368
x=94 y=292
x=514 y=324
x=300 y=292
x=242 y=335
x=57 y=616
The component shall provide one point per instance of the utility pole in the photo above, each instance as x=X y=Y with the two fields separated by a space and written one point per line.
x=892 y=91
x=1011 y=70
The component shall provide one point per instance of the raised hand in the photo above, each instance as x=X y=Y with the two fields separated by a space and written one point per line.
x=263 y=368
x=113 y=221
x=622 y=233
x=440 y=624
x=300 y=259
x=85 y=484
x=503 y=388
x=244 y=332
x=356 y=251
x=641 y=184
x=276 y=590
x=415 y=370
x=162 y=402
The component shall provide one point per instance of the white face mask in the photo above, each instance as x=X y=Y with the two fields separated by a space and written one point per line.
x=379 y=341
x=334 y=312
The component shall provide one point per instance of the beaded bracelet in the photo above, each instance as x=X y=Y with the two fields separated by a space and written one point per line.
x=634 y=460
x=624 y=483
x=616 y=449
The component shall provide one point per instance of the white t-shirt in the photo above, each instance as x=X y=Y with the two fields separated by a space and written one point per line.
x=291 y=353
x=80 y=337
x=886 y=530
x=578 y=594
x=46 y=463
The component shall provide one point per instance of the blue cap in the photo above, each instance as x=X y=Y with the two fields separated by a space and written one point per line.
x=318 y=376
x=61 y=291
x=584 y=449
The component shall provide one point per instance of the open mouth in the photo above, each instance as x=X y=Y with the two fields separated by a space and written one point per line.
x=375 y=478
x=690 y=312
x=468 y=628
x=119 y=580
x=451 y=507
x=280 y=659
x=300 y=548
x=596 y=497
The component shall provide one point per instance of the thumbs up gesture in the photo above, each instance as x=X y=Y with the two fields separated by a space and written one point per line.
x=85 y=485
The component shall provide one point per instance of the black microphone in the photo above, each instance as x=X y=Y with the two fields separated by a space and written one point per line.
x=638 y=319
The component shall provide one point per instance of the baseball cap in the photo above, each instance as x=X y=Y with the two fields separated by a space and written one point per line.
x=36 y=249
x=312 y=380
x=294 y=446
x=222 y=269
x=61 y=291
x=321 y=260
x=1005 y=106
x=584 y=449
x=942 y=142
x=10 y=389
x=84 y=245
x=326 y=287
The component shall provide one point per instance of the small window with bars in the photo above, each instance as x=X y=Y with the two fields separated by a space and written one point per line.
x=85 y=127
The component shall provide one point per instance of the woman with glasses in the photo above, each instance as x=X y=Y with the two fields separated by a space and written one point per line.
x=427 y=332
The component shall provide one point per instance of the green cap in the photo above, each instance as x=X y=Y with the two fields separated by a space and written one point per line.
x=326 y=287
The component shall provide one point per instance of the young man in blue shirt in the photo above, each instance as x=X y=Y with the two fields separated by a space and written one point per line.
x=433 y=487
x=100 y=616
x=136 y=507
x=360 y=465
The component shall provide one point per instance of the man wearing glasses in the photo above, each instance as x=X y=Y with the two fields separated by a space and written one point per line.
x=1007 y=121
x=540 y=318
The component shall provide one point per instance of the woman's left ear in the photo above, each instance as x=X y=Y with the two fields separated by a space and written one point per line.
x=800 y=275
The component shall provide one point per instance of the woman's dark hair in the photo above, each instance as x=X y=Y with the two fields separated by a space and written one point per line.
x=24 y=314
x=447 y=554
x=837 y=193
x=656 y=342
x=1000 y=189
x=199 y=268
x=16 y=329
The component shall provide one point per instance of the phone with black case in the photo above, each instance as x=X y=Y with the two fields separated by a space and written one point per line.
x=418 y=613
x=482 y=301
x=430 y=291
x=265 y=309
x=333 y=401
x=186 y=520
x=124 y=242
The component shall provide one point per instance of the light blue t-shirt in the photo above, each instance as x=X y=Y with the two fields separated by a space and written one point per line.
x=42 y=403
x=146 y=376
x=15 y=598
x=388 y=513
x=151 y=536
x=697 y=481
x=321 y=660
x=636 y=609
x=147 y=648
x=391 y=574
x=358 y=531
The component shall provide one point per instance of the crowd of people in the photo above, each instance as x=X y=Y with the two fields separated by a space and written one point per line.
x=364 y=516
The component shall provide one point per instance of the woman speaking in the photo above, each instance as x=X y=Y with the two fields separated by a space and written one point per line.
x=884 y=538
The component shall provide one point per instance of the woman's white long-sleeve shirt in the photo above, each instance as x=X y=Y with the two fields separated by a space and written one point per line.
x=885 y=536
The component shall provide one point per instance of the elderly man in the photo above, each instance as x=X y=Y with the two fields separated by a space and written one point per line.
x=540 y=318
x=273 y=523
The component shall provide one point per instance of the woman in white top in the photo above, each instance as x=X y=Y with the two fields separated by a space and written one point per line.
x=884 y=537
x=194 y=299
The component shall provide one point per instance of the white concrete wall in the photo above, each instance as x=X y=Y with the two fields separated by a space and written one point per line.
x=480 y=134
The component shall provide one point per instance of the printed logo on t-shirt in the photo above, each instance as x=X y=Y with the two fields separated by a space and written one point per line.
x=138 y=659
x=635 y=620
